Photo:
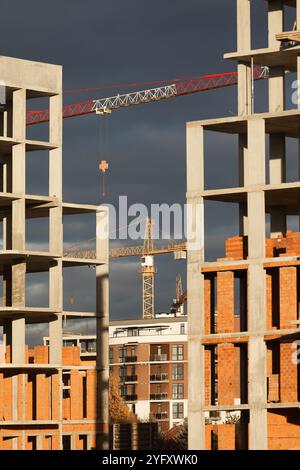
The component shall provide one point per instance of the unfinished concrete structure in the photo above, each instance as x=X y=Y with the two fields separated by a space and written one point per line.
x=31 y=385
x=267 y=269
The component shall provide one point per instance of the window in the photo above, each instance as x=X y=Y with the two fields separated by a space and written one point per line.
x=67 y=442
x=32 y=442
x=178 y=411
x=159 y=408
x=91 y=346
x=182 y=328
x=177 y=352
x=69 y=342
x=66 y=393
x=133 y=371
x=177 y=372
x=83 y=441
x=158 y=389
x=159 y=350
x=132 y=351
x=122 y=354
x=111 y=355
x=133 y=332
x=66 y=379
x=122 y=372
x=178 y=391
x=123 y=391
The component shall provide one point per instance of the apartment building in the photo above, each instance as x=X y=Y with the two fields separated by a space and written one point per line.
x=149 y=360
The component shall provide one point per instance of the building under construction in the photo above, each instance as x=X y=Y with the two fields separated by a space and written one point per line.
x=258 y=279
x=35 y=384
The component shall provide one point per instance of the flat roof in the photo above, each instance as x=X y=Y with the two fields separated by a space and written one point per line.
x=150 y=321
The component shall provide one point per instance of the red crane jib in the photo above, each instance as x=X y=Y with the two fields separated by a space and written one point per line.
x=183 y=87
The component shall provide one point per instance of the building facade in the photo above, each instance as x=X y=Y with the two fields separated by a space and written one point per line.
x=258 y=279
x=32 y=387
x=148 y=358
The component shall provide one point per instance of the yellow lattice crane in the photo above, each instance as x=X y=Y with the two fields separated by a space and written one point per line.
x=147 y=251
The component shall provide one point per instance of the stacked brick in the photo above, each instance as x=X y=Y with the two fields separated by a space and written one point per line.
x=236 y=247
x=38 y=399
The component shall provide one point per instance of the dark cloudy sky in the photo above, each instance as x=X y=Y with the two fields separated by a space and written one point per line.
x=120 y=41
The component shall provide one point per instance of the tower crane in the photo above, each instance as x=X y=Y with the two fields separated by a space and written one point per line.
x=181 y=297
x=146 y=252
x=148 y=271
x=177 y=87
x=103 y=106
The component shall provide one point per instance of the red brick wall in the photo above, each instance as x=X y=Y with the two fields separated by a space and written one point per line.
x=207 y=359
x=226 y=437
x=288 y=374
x=284 y=430
x=288 y=296
x=207 y=305
x=226 y=374
x=225 y=302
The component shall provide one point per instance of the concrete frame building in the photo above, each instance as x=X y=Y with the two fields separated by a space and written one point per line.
x=31 y=385
x=266 y=269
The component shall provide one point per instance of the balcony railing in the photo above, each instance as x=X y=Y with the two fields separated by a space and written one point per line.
x=128 y=378
x=130 y=397
x=158 y=396
x=158 y=357
x=159 y=416
x=158 y=377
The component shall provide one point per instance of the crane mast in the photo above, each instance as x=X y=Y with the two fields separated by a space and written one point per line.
x=148 y=273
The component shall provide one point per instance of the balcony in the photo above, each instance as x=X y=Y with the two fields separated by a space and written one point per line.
x=158 y=396
x=130 y=397
x=159 y=416
x=130 y=359
x=159 y=378
x=158 y=357
x=128 y=378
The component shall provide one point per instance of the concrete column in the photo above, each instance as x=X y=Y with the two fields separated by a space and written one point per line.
x=18 y=339
x=55 y=155
x=256 y=286
x=255 y=169
x=244 y=89
x=257 y=356
x=298 y=13
x=102 y=311
x=298 y=81
x=256 y=225
x=243 y=25
x=276 y=89
x=55 y=302
x=258 y=428
x=256 y=178
x=243 y=45
x=275 y=22
x=243 y=163
x=56 y=231
x=18 y=322
x=195 y=286
x=19 y=114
